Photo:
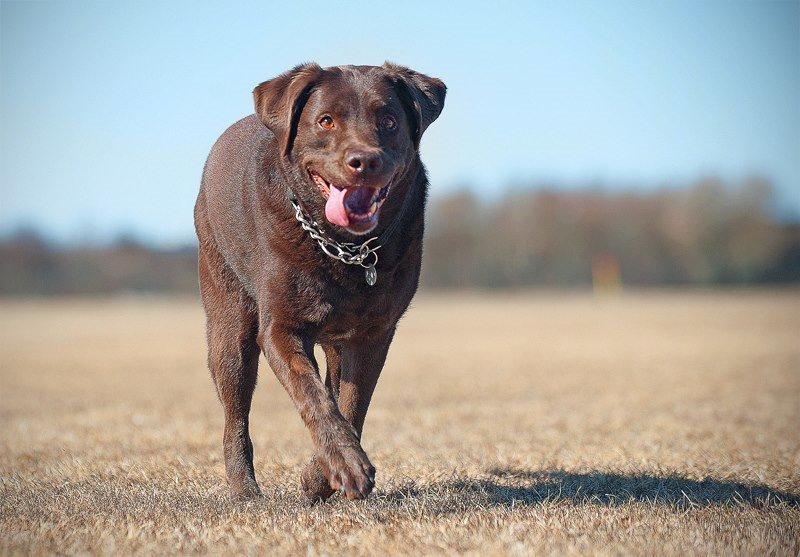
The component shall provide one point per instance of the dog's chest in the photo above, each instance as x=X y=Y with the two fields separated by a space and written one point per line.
x=341 y=313
x=337 y=304
x=354 y=316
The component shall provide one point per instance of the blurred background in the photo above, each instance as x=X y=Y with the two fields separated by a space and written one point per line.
x=582 y=144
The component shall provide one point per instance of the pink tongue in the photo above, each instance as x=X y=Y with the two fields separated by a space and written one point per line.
x=334 y=207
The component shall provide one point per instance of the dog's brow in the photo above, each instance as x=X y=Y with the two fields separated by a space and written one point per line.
x=337 y=107
x=379 y=106
x=381 y=103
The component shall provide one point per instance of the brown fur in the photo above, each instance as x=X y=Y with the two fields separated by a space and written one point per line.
x=266 y=285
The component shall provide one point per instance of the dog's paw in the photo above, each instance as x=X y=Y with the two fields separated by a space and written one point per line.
x=244 y=491
x=348 y=469
x=314 y=483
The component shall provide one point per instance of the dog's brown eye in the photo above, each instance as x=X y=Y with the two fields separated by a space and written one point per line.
x=326 y=122
x=388 y=122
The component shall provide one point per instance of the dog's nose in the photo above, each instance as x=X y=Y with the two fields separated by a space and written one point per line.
x=363 y=162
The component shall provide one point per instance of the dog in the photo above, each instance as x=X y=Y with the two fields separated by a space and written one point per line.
x=310 y=222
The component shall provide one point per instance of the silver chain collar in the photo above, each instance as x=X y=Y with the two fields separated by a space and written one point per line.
x=364 y=254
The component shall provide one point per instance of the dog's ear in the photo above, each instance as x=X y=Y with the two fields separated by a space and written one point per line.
x=422 y=97
x=280 y=101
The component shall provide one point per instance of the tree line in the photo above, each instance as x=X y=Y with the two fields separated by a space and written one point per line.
x=706 y=234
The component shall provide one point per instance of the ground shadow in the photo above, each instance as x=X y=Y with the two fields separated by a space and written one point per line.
x=513 y=487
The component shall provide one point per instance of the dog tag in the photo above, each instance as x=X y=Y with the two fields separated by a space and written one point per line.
x=371 y=275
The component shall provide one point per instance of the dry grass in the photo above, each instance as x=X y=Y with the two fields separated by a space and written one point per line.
x=648 y=423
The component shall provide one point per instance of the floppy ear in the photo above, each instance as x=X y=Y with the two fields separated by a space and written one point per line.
x=280 y=101
x=422 y=97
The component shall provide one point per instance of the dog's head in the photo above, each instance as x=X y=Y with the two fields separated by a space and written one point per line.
x=350 y=132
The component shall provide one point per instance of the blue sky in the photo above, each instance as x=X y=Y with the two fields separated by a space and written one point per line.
x=109 y=110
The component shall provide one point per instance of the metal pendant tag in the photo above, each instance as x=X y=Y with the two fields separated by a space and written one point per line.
x=371 y=275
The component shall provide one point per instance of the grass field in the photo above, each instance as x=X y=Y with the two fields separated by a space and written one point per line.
x=644 y=423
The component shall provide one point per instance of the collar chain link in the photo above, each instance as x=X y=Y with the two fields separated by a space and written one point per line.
x=365 y=254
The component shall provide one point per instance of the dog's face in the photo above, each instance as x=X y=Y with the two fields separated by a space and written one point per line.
x=350 y=133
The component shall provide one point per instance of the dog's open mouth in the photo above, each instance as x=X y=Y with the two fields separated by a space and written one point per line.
x=351 y=206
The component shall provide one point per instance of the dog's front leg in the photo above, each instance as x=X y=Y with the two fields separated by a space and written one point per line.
x=358 y=367
x=361 y=365
x=343 y=461
x=333 y=357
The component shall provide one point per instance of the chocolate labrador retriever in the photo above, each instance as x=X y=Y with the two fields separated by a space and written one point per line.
x=310 y=222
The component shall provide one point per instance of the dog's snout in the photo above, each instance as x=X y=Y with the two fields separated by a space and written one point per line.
x=363 y=162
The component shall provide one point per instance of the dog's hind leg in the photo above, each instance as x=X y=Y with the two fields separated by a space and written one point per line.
x=231 y=327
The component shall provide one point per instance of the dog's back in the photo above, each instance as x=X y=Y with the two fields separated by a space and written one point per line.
x=226 y=205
